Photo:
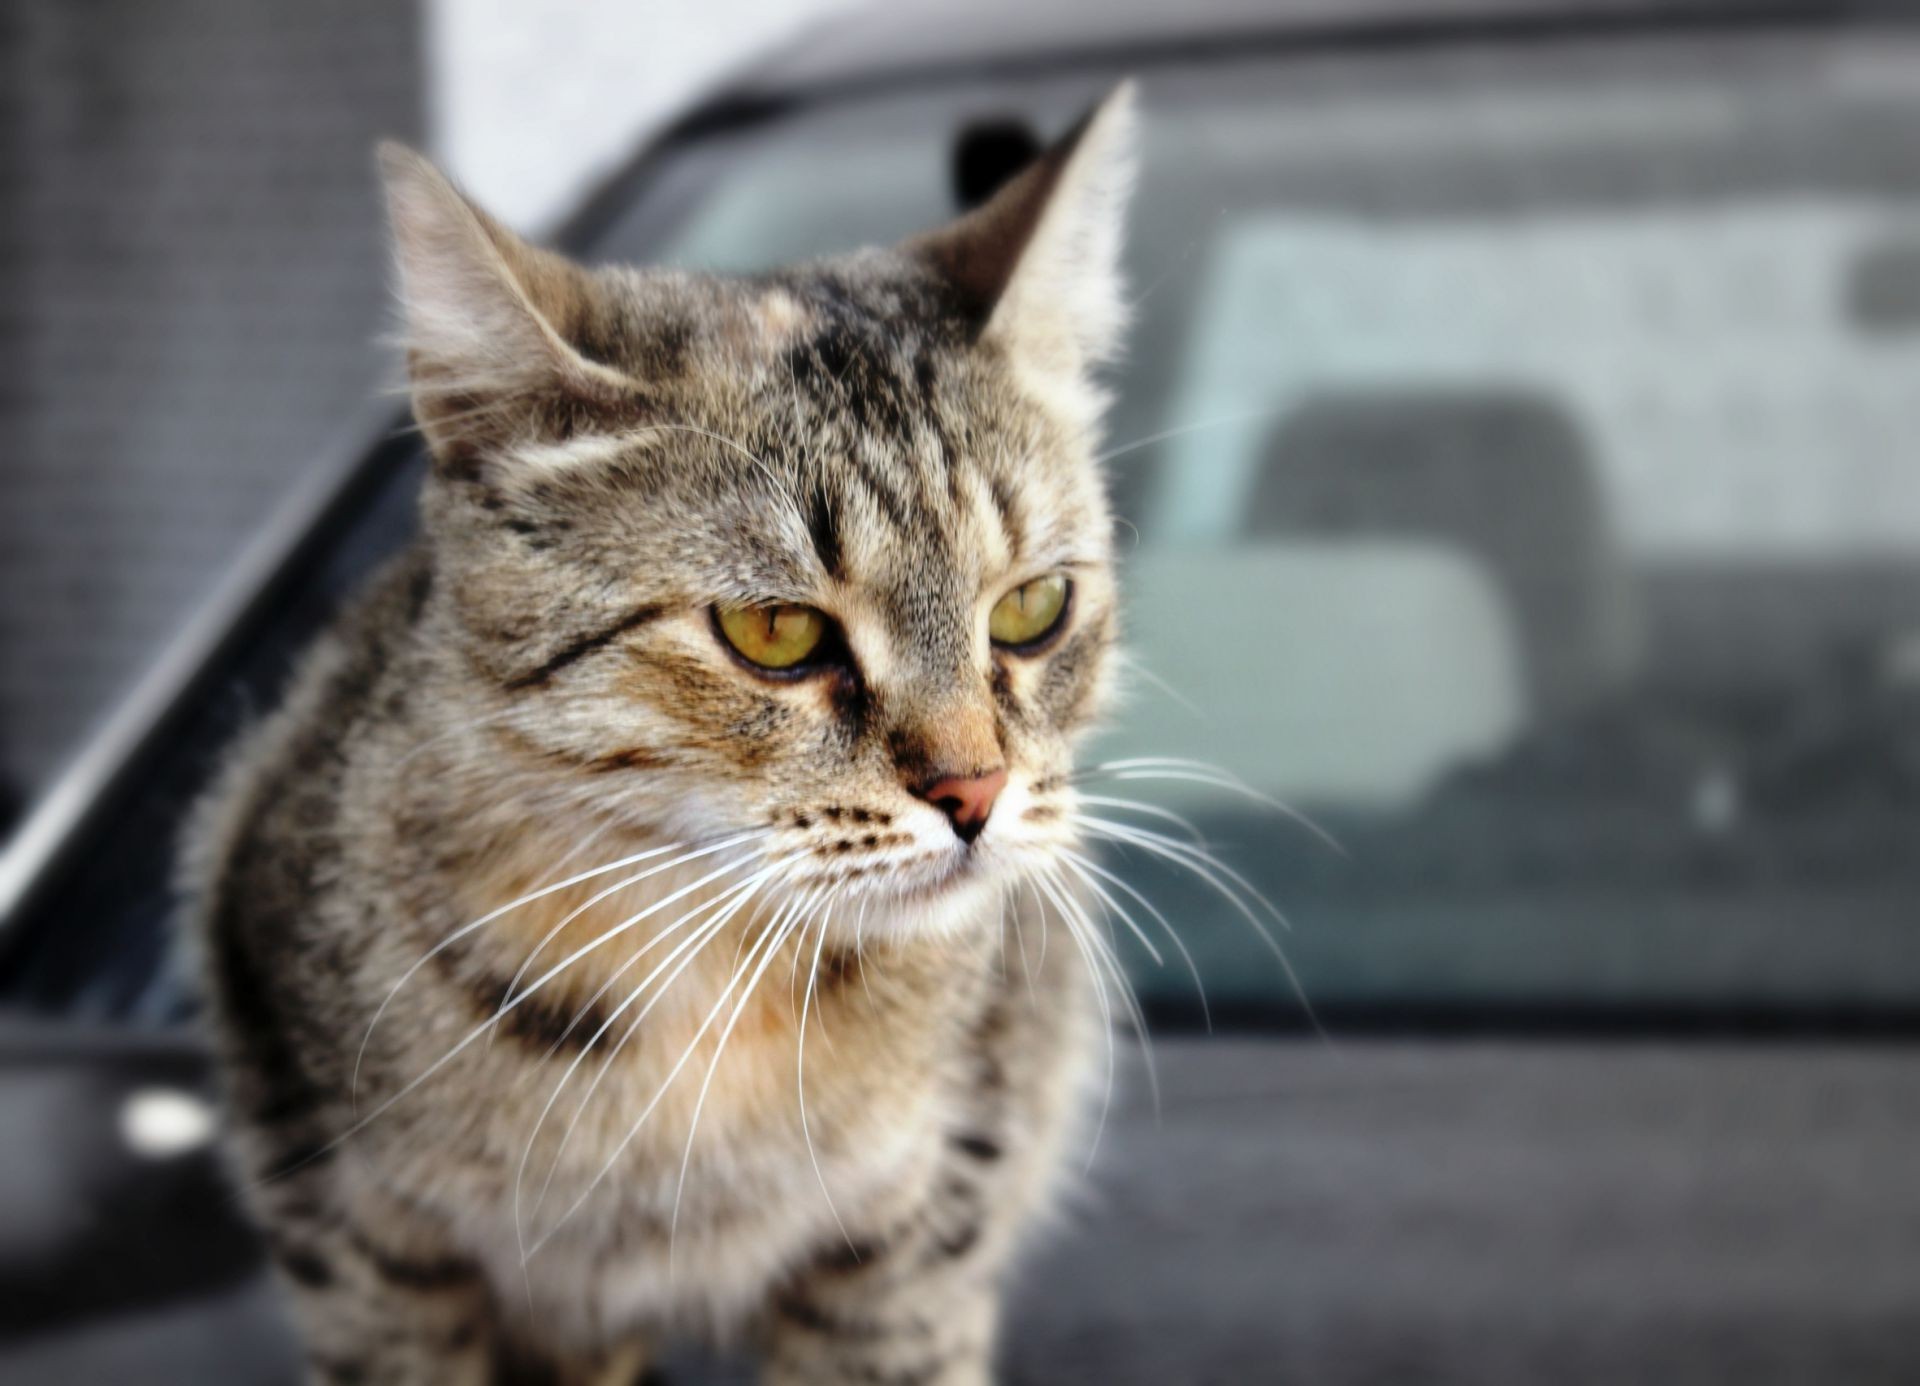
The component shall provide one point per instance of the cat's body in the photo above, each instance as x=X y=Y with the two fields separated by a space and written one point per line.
x=827 y=943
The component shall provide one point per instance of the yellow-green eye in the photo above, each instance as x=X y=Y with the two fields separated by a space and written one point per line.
x=1029 y=611
x=776 y=636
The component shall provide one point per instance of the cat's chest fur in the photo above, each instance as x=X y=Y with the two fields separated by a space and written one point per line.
x=634 y=1125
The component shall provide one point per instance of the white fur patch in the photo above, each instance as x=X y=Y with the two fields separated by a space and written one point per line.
x=575 y=452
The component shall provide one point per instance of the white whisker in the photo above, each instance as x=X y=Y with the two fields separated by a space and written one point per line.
x=800 y=1077
x=1135 y=1016
x=1200 y=772
x=1106 y=1020
x=615 y=889
x=1087 y=869
x=1134 y=664
x=1139 y=934
x=487 y=1026
x=622 y=927
x=769 y=933
x=742 y=893
x=706 y=1084
x=1010 y=911
x=1242 y=416
x=1196 y=859
x=736 y=889
x=1041 y=965
x=1210 y=869
x=697 y=942
x=485 y=919
x=859 y=951
x=1150 y=810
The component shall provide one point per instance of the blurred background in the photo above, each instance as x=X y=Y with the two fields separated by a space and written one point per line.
x=1516 y=454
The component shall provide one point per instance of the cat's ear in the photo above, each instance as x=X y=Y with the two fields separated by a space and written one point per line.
x=490 y=321
x=1042 y=257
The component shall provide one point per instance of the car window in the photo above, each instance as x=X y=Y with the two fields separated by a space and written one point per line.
x=1514 y=468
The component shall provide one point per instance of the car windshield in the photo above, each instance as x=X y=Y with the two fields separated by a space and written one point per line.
x=1515 y=465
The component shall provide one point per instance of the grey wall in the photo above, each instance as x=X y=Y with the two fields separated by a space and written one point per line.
x=191 y=283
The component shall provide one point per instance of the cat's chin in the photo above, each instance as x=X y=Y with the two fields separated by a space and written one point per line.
x=944 y=899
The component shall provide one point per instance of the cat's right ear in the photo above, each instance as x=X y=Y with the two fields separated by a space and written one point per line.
x=489 y=320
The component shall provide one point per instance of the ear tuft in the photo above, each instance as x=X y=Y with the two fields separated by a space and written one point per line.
x=1042 y=256
x=487 y=317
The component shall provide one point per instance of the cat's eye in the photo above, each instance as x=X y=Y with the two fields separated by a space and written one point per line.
x=1030 y=612
x=777 y=636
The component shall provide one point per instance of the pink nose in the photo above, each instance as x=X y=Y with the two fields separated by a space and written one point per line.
x=965 y=799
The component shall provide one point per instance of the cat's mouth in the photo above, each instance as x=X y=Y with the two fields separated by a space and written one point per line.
x=930 y=878
x=959 y=869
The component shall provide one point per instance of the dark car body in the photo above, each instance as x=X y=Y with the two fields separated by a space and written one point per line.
x=1609 y=1073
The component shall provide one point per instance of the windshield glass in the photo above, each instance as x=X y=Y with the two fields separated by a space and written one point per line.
x=1516 y=471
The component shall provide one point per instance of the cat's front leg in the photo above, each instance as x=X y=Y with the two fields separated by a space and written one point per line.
x=933 y=1331
x=376 y=1302
x=917 y=1305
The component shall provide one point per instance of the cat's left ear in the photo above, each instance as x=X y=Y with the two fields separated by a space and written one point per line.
x=1042 y=257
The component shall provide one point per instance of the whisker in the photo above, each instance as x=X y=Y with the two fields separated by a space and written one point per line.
x=489 y=1025
x=1150 y=810
x=1197 y=859
x=615 y=889
x=706 y=1084
x=1135 y=665
x=777 y=491
x=698 y=942
x=1209 y=869
x=1102 y=942
x=1099 y=966
x=1019 y=941
x=1000 y=940
x=1088 y=869
x=485 y=919
x=1106 y=1018
x=586 y=1007
x=1200 y=772
x=800 y=1080
x=1243 y=416
x=619 y=929
x=772 y=931
x=1044 y=931
x=859 y=954
x=695 y=943
x=1138 y=933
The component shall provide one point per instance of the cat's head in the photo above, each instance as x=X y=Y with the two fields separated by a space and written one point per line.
x=821 y=554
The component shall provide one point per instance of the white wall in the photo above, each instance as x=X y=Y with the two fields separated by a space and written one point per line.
x=528 y=103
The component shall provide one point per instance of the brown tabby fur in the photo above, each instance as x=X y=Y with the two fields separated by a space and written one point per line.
x=896 y=437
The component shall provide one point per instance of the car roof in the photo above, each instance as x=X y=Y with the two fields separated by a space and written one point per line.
x=886 y=44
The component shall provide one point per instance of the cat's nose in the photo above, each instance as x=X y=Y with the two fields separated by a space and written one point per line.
x=965 y=799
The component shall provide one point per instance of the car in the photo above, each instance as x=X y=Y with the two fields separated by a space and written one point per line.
x=1522 y=554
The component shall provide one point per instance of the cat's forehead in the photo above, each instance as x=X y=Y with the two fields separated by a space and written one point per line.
x=861 y=339
x=861 y=417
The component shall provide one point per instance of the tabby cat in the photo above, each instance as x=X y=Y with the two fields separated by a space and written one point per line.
x=632 y=924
